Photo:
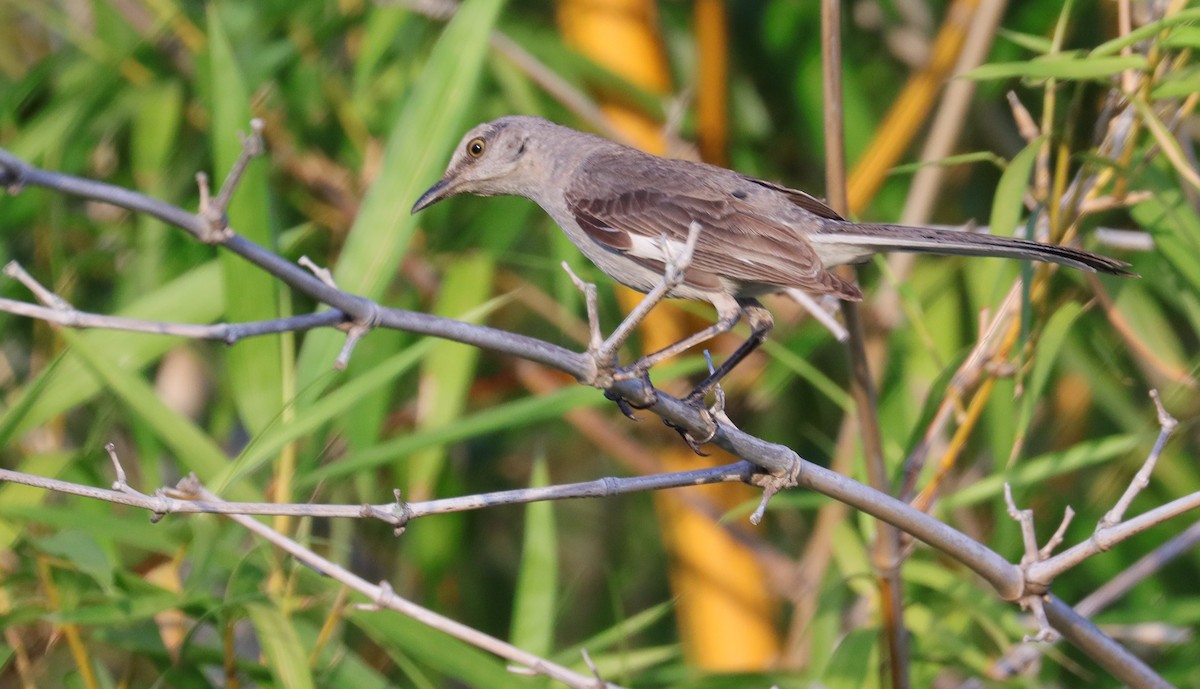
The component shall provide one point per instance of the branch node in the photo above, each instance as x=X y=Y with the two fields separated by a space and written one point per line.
x=12 y=173
x=1141 y=479
x=215 y=224
x=772 y=484
x=587 y=659
x=43 y=294
x=1045 y=633
x=356 y=330
x=120 y=484
x=189 y=486
x=401 y=514
x=323 y=274
x=383 y=600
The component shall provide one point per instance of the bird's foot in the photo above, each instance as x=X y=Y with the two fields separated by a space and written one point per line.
x=648 y=396
x=692 y=441
x=713 y=417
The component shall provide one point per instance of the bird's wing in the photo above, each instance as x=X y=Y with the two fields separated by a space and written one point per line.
x=796 y=197
x=646 y=217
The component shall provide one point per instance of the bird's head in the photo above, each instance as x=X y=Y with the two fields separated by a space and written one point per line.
x=498 y=157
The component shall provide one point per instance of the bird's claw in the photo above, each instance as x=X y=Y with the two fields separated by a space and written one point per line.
x=713 y=417
x=693 y=442
x=626 y=406
x=623 y=404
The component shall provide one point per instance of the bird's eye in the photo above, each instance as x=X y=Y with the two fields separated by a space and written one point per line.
x=475 y=147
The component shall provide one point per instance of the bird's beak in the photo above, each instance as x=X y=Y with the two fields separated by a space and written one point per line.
x=436 y=193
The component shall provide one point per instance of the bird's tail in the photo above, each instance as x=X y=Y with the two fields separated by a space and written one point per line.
x=852 y=242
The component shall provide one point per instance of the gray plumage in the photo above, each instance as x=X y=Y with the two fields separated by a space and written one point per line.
x=756 y=237
x=629 y=211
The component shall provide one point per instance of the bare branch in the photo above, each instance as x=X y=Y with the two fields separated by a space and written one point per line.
x=384 y=597
x=1021 y=656
x=1111 y=530
x=1032 y=601
x=229 y=333
x=397 y=513
x=1167 y=424
x=252 y=147
x=1111 y=655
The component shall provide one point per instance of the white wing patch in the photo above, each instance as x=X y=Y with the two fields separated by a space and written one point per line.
x=653 y=247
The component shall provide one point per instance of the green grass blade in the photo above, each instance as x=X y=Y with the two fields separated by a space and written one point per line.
x=1010 y=192
x=537 y=580
x=193 y=449
x=1049 y=345
x=286 y=656
x=418 y=147
x=251 y=294
x=1076 y=66
x=195 y=297
x=516 y=414
x=1041 y=468
x=449 y=370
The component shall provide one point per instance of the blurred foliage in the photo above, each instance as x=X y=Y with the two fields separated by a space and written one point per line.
x=362 y=103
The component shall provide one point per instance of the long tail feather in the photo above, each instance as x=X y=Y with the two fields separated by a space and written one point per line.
x=852 y=241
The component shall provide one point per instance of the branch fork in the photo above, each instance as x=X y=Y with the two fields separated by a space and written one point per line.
x=214 y=211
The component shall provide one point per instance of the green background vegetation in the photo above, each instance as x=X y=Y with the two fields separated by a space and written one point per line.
x=362 y=104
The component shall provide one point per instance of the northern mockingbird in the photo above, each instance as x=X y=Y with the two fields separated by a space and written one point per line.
x=630 y=213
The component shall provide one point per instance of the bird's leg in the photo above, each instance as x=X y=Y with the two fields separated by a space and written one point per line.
x=728 y=314
x=604 y=367
x=673 y=274
x=714 y=416
x=760 y=324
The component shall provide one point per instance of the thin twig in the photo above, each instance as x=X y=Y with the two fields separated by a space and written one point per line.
x=383 y=597
x=1018 y=658
x=397 y=513
x=1167 y=425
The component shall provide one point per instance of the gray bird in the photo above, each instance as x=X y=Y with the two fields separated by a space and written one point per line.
x=630 y=212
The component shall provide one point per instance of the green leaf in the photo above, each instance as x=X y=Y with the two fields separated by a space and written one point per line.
x=195 y=297
x=1048 y=347
x=1074 y=65
x=80 y=548
x=1168 y=216
x=537 y=580
x=1009 y=199
x=1142 y=33
x=262 y=448
x=287 y=657
x=961 y=159
x=194 y=450
x=418 y=147
x=851 y=666
x=401 y=636
x=153 y=140
x=1045 y=467
x=16 y=500
x=516 y=414
x=251 y=294
x=449 y=369
x=1036 y=44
